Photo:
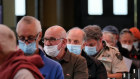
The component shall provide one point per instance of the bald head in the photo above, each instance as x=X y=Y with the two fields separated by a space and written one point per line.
x=57 y=31
x=29 y=20
x=76 y=32
x=7 y=40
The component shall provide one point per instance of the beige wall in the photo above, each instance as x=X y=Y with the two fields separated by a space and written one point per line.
x=9 y=18
x=51 y=12
x=57 y=12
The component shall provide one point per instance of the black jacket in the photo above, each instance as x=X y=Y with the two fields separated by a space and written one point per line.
x=96 y=68
x=133 y=54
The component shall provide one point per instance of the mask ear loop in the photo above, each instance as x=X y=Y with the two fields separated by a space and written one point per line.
x=60 y=43
x=37 y=36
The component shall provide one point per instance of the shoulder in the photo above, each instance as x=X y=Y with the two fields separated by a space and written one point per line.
x=97 y=62
x=114 y=48
x=77 y=57
x=24 y=74
x=50 y=62
x=113 y=51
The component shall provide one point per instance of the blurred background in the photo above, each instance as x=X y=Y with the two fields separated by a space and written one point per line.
x=71 y=13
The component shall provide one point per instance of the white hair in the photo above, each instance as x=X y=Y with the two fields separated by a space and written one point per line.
x=30 y=20
x=112 y=38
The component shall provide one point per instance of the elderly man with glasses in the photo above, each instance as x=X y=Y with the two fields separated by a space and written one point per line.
x=29 y=34
x=74 y=66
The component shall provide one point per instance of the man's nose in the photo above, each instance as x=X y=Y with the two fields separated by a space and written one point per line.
x=72 y=42
x=26 y=42
x=47 y=43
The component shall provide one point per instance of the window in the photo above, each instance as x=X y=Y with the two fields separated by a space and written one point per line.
x=120 y=7
x=95 y=7
x=20 y=9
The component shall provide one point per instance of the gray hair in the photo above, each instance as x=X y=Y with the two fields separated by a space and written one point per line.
x=125 y=31
x=93 y=32
x=112 y=38
x=77 y=28
x=30 y=20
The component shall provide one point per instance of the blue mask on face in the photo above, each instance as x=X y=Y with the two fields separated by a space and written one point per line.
x=76 y=49
x=90 y=50
x=27 y=49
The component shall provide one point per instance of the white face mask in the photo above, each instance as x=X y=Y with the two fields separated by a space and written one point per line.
x=128 y=47
x=51 y=50
x=136 y=44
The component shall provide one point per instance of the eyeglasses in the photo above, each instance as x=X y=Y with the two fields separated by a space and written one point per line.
x=52 y=39
x=29 y=38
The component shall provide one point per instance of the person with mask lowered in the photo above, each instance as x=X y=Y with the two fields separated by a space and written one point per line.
x=74 y=66
x=29 y=34
x=114 y=31
x=109 y=38
x=126 y=40
x=136 y=41
x=13 y=63
x=75 y=43
x=108 y=55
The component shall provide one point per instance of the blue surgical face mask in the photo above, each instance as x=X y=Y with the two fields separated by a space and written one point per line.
x=27 y=49
x=90 y=50
x=76 y=49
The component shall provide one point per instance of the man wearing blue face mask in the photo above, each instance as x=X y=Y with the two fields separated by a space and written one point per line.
x=75 y=43
x=110 y=56
x=74 y=66
x=29 y=34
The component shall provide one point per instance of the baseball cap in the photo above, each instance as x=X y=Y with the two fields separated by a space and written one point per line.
x=111 y=29
x=135 y=31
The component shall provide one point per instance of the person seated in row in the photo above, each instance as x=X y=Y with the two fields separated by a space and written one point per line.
x=126 y=40
x=136 y=41
x=109 y=38
x=74 y=66
x=76 y=44
x=29 y=34
x=114 y=31
x=13 y=63
x=108 y=55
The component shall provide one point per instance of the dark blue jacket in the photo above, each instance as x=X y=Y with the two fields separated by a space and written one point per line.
x=51 y=69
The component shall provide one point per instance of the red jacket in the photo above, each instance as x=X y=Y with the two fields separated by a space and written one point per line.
x=16 y=61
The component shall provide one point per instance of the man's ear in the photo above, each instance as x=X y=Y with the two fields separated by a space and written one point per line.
x=64 y=42
x=39 y=36
x=83 y=45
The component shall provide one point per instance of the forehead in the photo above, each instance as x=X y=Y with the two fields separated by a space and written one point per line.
x=91 y=41
x=27 y=29
x=51 y=33
x=126 y=36
x=106 y=37
x=75 y=35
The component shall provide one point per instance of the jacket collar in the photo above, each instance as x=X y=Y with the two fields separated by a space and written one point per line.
x=88 y=58
x=67 y=55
